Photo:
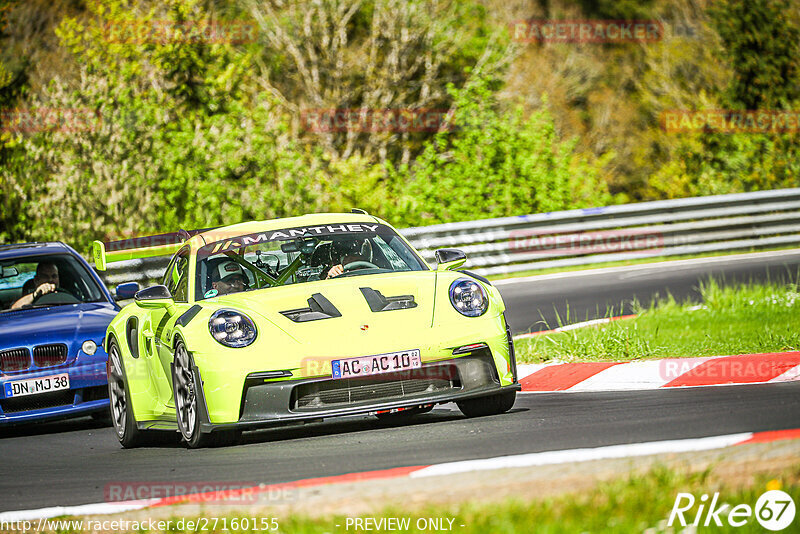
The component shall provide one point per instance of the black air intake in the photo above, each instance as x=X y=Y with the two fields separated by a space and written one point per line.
x=49 y=355
x=15 y=360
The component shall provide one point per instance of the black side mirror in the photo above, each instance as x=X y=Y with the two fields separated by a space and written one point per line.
x=450 y=258
x=153 y=297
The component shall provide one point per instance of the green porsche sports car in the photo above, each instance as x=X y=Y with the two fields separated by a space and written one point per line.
x=298 y=319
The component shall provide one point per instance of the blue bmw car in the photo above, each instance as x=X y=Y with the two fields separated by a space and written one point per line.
x=54 y=311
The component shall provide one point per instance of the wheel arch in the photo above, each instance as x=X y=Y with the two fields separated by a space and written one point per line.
x=111 y=335
x=178 y=336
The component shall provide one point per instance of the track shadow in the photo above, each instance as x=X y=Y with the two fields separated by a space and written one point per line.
x=38 y=428
x=333 y=427
x=158 y=439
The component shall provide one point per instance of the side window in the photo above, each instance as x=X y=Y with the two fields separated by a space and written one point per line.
x=177 y=276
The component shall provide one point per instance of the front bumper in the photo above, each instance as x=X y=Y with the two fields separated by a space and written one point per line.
x=88 y=393
x=273 y=403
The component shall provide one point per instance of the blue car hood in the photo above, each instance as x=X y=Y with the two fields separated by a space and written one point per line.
x=65 y=324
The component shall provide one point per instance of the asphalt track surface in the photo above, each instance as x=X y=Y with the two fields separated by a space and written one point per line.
x=71 y=462
x=545 y=302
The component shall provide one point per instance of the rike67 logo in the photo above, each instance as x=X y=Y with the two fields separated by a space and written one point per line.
x=774 y=510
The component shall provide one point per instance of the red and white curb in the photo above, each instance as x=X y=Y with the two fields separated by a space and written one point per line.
x=660 y=374
x=631 y=450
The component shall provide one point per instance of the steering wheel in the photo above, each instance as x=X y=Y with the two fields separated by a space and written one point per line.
x=56 y=296
x=355 y=265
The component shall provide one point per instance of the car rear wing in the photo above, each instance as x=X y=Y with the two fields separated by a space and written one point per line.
x=139 y=247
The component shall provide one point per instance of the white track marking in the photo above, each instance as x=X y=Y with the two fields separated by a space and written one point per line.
x=651 y=374
x=527 y=369
x=788 y=376
x=574 y=326
x=583 y=455
x=593 y=322
x=503 y=462
x=102 y=508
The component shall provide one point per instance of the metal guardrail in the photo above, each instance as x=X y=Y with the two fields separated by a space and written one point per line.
x=720 y=223
x=696 y=225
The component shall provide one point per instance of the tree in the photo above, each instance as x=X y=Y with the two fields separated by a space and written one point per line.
x=494 y=163
x=762 y=44
x=168 y=137
x=372 y=55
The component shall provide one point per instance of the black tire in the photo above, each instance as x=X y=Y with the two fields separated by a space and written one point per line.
x=404 y=415
x=491 y=405
x=187 y=410
x=120 y=410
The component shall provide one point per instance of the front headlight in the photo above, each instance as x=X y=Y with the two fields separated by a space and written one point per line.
x=89 y=347
x=232 y=328
x=468 y=297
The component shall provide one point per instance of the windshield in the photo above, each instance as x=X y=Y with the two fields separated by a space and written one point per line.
x=297 y=255
x=46 y=280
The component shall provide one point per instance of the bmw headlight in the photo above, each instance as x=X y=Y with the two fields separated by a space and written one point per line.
x=468 y=297
x=232 y=328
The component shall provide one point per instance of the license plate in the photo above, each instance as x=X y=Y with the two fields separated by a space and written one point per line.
x=373 y=365
x=33 y=386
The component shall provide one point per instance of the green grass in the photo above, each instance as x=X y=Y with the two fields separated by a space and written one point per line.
x=640 y=261
x=732 y=320
x=634 y=503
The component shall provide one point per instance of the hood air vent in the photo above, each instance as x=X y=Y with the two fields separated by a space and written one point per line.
x=318 y=308
x=379 y=303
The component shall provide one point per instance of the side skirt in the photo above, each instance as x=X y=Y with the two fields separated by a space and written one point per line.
x=156 y=425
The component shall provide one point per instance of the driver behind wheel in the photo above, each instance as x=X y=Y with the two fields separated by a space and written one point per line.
x=45 y=281
x=344 y=252
x=228 y=277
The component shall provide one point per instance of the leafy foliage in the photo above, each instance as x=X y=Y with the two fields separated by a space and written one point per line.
x=173 y=142
x=709 y=164
x=193 y=132
x=762 y=44
x=493 y=163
